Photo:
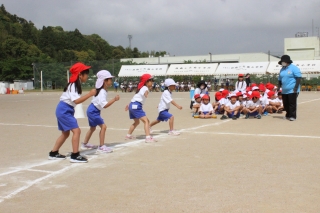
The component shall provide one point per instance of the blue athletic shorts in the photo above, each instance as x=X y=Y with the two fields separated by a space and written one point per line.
x=94 y=116
x=65 y=117
x=135 y=110
x=232 y=114
x=164 y=115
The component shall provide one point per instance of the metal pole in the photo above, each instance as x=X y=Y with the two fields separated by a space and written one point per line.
x=158 y=59
x=67 y=76
x=269 y=55
x=113 y=66
x=210 y=57
x=41 y=82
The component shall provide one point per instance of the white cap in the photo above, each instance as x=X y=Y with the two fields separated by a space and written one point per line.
x=220 y=90
x=233 y=94
x=168 y=82
x=254 y=88
x=250 y=92
x=102 y=75
x=244 y=96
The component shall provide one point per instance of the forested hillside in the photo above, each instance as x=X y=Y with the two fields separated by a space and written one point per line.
x=22 y=44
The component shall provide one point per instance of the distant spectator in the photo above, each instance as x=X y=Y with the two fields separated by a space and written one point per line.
x=248 y=80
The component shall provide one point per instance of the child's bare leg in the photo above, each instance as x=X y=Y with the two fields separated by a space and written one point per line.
x=88 y=135
x=75 y=139
x=235 y=113
x=133 y=126
x=208 y=115
x=102 y=134
x=154 y=123
x=201 y=115
x=146 y=123
x=61 y=139
x=171 y=120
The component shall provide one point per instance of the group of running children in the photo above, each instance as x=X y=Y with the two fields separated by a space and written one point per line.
x=71 y=97
x=249 y=101
x=254 y=100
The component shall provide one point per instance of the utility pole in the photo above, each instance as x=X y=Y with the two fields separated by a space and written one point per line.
x=130 y=37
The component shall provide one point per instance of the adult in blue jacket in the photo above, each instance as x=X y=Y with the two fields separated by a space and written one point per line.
x=289 y=81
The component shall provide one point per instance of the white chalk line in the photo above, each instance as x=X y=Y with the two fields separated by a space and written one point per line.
x=309 y=101
x=258 y=135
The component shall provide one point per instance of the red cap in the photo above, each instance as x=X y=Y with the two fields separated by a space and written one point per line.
x=240 y=75
x=248 y=89
x=76 y=69
x=262 y=88
x=270 y=94
x=239 y=94
x=253 y=85
x=256 y=94
x=270 y=86
x=143 y=79
x=218 y=96
x=205 y=97
x=196 y=96
x=225 y=93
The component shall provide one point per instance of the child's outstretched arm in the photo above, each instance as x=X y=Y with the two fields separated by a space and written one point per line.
x=176 y=105
x=112 y=101
x=85 y=97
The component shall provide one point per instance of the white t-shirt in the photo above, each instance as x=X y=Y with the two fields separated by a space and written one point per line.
x=232 y=106
x=139 y=97
x=251 y=104
x=224 y=101
x=264 y=101
x=165 y=101
x=240 y=86
x=70 y=96
x=243 y=102
x=273 y=101
x=206 y=107
x=279 y=101
x=100 y=100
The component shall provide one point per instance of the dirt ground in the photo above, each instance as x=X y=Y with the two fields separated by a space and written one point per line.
x=267 y=165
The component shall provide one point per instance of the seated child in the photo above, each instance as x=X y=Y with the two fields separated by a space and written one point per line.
x=253 y=107
x=274 y=104
x=279 y=100
x=219 y=109
x=206 y=109
x=196 y=104
x=232 y=108
x=218 y=97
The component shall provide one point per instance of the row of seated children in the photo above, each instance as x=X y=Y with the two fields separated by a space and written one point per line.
x=255 y=102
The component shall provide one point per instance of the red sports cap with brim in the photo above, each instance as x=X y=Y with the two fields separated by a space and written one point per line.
x=255 y=94
x=225 y=93
x=218 y=96
x=240 y=75
x=262 y=88
x=76 y=69
x=270 y=86
x=205 y=97
x=253 y=85
x=239 y=94
x=143 y=79
x=270 y=94
x=196 y=96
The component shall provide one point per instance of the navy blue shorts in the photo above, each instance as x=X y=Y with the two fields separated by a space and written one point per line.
x=232 y=114
x=94 y=116
x=65 y=117
x=135 y=110
x=254 y=113
x=164 y=115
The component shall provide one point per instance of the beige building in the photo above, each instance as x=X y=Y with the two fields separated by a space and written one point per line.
x=302 y=48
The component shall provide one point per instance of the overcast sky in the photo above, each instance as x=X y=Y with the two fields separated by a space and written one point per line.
x=179 y=27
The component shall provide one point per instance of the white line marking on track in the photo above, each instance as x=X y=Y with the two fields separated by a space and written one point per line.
x=309 y=101
x=37 y=170
x=258 y=135
x=29 y=167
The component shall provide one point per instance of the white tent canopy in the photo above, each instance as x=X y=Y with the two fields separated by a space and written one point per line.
x=306 y=67
x=192 y=69
x=138 y=70
x=243 y=68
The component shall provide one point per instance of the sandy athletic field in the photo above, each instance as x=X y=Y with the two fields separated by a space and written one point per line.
x=267 y=165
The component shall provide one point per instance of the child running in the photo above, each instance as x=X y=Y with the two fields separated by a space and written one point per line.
x=99 y=102
x=65 y=113
x=164 y=106
x=135 y=108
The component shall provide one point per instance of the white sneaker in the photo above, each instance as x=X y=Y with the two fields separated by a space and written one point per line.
x=104 y=149
x=131 y=137
x=151 y=140
x=150 y=130
x=175 y=133
x=85 y=146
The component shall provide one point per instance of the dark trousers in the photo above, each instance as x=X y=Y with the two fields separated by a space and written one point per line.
x=290 y=104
